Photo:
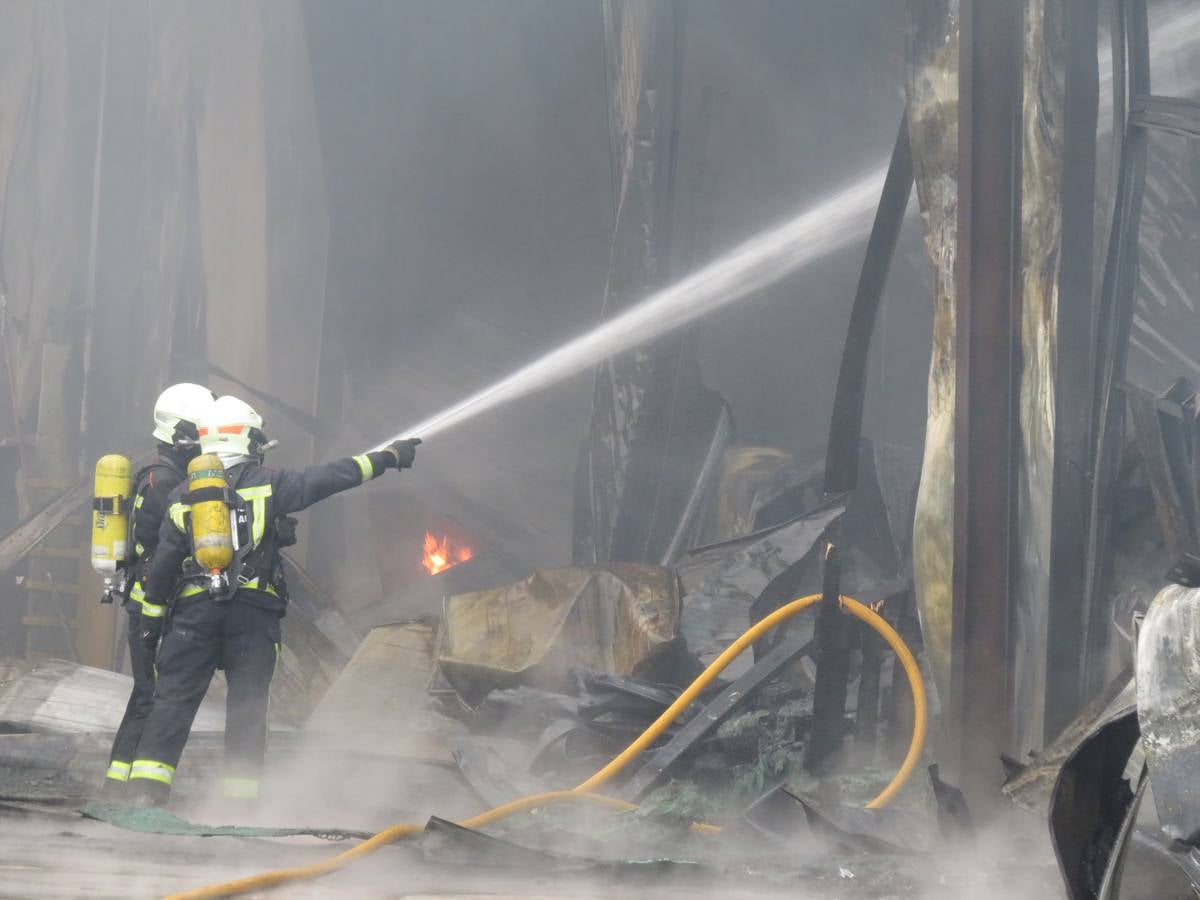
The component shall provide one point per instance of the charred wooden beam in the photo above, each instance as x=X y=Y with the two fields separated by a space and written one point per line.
x=866 y=723
x=834 y=632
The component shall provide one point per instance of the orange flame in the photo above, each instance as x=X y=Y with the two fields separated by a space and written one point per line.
x=440 y=555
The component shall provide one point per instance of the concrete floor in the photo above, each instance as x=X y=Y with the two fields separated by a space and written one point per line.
x=48 y=854
x=53 y=854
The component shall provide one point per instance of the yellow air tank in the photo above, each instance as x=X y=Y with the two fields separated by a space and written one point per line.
x=110 y=519
x=212 y=537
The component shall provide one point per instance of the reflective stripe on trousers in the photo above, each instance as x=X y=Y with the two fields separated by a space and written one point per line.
x=118 y=771
x=152 y=770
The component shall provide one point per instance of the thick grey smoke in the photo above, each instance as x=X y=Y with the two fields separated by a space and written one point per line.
x=820 y=230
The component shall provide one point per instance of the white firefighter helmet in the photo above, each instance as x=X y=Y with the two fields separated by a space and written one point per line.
x=232 y=428
x=182 y=402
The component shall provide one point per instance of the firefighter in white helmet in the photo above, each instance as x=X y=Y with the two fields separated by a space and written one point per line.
x=177 y=416
x=237 y=630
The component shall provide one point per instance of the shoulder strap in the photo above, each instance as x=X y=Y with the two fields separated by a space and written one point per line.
x=140 y=481
x=159 y=462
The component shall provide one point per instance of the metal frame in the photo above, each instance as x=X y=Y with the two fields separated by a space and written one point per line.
x=1073 y=369
x=1172 y=115
x=1092 y=347
x=1131 y=78
x=1141 y=112
x=845 y=427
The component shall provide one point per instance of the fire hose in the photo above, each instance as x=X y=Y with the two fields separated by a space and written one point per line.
x=586 y=790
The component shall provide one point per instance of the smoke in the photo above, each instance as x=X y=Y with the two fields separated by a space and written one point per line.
x=824 y=228
x=817 y=232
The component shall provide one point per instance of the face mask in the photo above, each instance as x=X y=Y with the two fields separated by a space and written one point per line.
x=230 y=459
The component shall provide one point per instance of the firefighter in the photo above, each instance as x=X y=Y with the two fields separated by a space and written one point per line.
x=237 y=629
x=177 y=415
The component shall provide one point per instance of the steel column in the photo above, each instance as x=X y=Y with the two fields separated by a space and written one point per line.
x=987 y=309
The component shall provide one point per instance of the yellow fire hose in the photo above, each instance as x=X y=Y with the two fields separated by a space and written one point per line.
x=586 y=790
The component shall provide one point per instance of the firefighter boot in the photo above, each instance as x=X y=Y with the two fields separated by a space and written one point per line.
x=145 y=793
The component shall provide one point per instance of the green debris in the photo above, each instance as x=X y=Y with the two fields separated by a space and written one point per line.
x=747 y=723
x=773 y=765
x=684 y=802
x=767 y=742
x=159 y=821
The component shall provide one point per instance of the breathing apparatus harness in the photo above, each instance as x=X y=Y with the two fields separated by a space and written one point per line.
x=251 y=564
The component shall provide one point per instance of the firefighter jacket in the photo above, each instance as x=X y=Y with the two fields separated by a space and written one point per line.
x=152 y=487
x=264 y=495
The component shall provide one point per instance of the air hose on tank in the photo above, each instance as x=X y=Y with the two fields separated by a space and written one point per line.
x=586 y=790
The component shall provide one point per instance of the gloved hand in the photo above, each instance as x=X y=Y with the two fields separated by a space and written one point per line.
x=403 y=452
x=150 y=635
x=285 y=531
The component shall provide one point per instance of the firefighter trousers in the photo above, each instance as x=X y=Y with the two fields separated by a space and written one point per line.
x=203 y=636
x=141 y=662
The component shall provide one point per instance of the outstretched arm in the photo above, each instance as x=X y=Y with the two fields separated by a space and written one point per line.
x=294 y=491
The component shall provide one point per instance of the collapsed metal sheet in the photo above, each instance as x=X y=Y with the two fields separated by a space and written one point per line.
x=884 y=831
x=722 y=581
x=1164 y=329
x=750 y=478
x=1032 y=787
x=619 y=619
x=1090 y=801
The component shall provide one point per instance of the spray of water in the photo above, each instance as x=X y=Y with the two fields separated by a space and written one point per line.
x=823 y=228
